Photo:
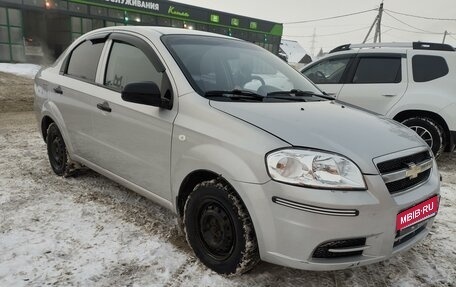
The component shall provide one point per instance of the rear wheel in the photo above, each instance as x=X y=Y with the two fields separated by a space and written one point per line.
x=429 y=131
x=57 y=152
x=219 y=229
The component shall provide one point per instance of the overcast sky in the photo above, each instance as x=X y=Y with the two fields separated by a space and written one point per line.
x=284 y=11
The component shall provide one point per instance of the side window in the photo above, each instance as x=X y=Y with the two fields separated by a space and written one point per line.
x=84 y=59
x=378 y=70
x=128 y=64
x=327 y=72
x=428 y=68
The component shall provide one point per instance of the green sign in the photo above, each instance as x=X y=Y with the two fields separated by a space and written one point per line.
x=253 y=25
x=172 y=11
x=215 y=18
x=235 y=22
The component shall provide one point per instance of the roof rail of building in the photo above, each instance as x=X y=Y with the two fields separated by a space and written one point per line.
x=414 y=45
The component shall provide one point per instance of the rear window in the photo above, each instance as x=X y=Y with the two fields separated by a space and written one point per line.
x=427 y=68
x=84 y=60
x=378 y=70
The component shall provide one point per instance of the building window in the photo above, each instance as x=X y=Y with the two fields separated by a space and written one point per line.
x=149 y=19
x=14 y=17
x=98 y=11
x=76 y=25
x=86 y=25
x=177 y=23
x=34 y=2
x=79 y=8
x=164 y=22
x=117 y=14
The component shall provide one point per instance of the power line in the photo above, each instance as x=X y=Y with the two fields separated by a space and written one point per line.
x=400 y=21
x=383 y=33
x=421 y=17
x=326 y=35
x=329 y=18
x=410 y=31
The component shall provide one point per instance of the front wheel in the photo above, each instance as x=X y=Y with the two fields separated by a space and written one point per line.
x=429 y=131
x=219 y=229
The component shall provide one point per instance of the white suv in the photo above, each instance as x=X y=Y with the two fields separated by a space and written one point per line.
x=412 y=83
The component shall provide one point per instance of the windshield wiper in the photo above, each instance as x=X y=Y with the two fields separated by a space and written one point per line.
x=234 y=94
x=298 y=93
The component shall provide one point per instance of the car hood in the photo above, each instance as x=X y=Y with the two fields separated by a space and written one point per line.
x=330 y=126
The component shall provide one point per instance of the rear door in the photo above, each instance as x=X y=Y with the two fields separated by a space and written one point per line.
x=133 y=141
x=376 y=81
x=329 y=74
x=73 y=89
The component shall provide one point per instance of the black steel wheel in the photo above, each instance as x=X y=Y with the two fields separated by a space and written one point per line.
x=219 y=229
x=429 y=131
x=57 y=151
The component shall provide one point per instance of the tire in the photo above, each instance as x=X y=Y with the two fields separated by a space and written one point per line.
x=219 y=229
x=57 y=151
x=429 y=131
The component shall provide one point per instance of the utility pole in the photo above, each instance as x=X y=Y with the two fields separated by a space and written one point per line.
x=378 y=21
x=444 y=36
x=312 y=46
x=378 y=30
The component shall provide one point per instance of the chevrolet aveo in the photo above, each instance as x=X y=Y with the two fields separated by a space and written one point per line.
x=254 y=160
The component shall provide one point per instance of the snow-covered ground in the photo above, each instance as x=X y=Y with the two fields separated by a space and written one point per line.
x=89 y=231
x=25 y=70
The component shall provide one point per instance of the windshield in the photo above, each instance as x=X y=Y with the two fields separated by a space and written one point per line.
x=214 y=65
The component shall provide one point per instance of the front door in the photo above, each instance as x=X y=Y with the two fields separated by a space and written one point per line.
x=133 y=140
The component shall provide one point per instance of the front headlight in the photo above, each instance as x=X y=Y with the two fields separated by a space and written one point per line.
x=314 y=169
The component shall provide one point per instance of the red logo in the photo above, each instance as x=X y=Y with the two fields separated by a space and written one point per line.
x=418 y=213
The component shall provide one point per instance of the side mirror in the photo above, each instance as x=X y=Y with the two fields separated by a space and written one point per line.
x=144 y=93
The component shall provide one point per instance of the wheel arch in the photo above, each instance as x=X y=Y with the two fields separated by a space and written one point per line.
x=190 y=182
x=403 y=115
x=46 y=121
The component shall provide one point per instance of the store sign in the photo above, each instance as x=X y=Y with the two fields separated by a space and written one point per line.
x=137 y=3
x=215 y=18
x=172 y=11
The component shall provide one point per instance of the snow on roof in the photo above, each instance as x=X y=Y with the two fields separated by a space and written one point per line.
x=293 y=49
x=25 y=70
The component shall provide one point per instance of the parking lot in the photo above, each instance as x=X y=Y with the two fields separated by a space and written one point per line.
x=87 y=230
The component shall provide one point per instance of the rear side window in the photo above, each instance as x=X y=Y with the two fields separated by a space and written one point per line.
x=428 y=68
x=128 y=64
x=378 y=70
x=84 y=59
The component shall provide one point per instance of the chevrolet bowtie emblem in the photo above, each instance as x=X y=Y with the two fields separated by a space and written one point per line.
x=413 y=171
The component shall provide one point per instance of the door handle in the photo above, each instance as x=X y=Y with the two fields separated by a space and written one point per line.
x=389 y=96
x=104 y=107
x=58 y=90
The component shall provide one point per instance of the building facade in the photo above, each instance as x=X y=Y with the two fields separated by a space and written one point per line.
x=39 y=30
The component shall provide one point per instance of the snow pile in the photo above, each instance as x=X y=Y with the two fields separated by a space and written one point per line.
x=25 y=70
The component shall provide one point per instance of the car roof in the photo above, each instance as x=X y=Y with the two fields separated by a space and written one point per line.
x=158 y=31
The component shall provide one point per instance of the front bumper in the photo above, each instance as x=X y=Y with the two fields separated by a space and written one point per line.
x=289 y=236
